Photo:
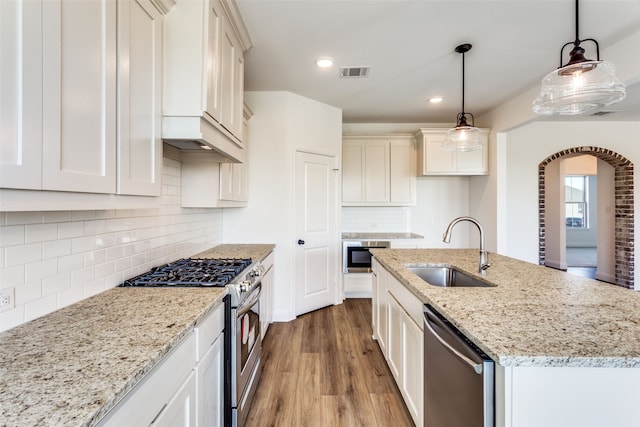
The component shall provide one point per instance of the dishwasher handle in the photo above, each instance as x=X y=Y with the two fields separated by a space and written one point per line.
x=477 y=367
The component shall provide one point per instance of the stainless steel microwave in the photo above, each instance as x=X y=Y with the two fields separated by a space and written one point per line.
x=356 y=255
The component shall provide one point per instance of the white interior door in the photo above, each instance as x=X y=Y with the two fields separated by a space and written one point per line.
x=316 y=231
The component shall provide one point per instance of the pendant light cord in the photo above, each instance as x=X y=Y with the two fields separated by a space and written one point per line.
x=577 y=42
x=463 y=53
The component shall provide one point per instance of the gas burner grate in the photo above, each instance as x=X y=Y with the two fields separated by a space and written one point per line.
x=192 y=272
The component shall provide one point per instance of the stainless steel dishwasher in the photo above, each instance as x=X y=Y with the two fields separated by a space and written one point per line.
x=458 y=377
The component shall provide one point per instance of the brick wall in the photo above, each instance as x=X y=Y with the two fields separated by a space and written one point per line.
x=624 y=211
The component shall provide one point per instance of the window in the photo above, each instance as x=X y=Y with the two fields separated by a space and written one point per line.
x=576 y=200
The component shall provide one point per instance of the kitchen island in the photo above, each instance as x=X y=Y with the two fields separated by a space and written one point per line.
x=567 y=348
x=69 y=368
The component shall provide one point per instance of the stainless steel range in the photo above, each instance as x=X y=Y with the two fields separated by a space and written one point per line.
x=243 y=338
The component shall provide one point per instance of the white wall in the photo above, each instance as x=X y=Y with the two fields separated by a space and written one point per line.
x=528 y=146
x=282 y=123
x=439 y=200
x=53 y=259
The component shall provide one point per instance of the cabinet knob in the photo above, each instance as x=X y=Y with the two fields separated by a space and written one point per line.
x=300 y=242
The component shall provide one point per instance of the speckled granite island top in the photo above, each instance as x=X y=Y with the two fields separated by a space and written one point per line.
x=533 y=316
x=70 y=367
x=379 y=236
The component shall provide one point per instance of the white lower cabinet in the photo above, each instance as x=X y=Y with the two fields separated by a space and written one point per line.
x=399 y=331
x=357 y=285
x=181 y=410
x=380 y=310
x=152 y=395
x=266 y=298
x=210 y=371
x=185 y=388
x=394 y=349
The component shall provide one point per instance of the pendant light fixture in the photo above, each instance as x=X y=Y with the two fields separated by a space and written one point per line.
x=465 y=136
x=581 y=85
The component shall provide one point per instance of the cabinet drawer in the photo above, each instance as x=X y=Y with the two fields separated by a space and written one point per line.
x=142 y=404
x=267 y=263
x=409 y=302
x=208 y=330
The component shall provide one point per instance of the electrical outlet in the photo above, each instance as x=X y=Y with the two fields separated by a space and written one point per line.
x=7 y=299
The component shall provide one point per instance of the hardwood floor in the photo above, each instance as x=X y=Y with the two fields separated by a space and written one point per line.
x=324 y=369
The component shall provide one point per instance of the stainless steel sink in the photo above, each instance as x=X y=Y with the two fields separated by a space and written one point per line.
x=447 y=277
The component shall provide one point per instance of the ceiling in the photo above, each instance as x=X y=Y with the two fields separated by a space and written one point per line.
x=409 y=45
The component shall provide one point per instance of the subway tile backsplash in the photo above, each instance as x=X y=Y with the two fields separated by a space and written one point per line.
x=54 y=259
x=376 y=219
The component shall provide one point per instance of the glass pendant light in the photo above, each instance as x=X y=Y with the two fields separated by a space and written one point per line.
x=581 y=85
x=465 y=136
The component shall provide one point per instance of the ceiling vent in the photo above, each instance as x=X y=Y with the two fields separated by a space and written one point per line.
x=349 y=72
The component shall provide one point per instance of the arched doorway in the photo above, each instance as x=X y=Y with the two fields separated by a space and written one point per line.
x=624 y=208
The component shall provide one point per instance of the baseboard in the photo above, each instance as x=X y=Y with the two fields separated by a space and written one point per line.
x=357 y=294
x=606 y=277
x=557 y=265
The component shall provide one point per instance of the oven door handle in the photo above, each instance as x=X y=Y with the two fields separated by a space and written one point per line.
x=249 y=302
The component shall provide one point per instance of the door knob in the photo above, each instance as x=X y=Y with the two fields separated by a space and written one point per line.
x=300 y=242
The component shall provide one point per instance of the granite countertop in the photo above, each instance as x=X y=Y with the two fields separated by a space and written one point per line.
x=70 y=367
x=238 y=250
x=379 y=236
x=533 y=316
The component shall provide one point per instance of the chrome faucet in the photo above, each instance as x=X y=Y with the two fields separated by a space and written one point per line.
x=483 y=264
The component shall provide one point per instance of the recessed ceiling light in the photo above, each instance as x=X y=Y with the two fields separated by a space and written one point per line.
x=435 y=99
x=324 y=62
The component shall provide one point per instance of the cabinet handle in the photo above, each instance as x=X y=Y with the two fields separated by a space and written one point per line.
x=157 y=415
x=300 y=242
x=477 y=367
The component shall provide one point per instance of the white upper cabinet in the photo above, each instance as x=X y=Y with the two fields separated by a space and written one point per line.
x=378 y=171
x=21 y=94
x=139 y=146
x=79 y=96
x=80 y=102
x=205 y=42
x=433 y=160
x=402 y=171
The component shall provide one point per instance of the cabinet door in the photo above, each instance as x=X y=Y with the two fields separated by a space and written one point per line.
x=353 y=190
x=395 y=347
x=233 y=182
x=382 y=311
x=210 y=373
x=231 y=59
x=181 y=409
x=402 y=172
x=21 y=94
x=376 y=174
x=412 y=361
x=213 y=75
x=139 y=106
x=226 y=181
x=79 y=96
x=472 y=162
x=266 y=301
x=436 y=160
x=240 y=174
x=374 y=297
